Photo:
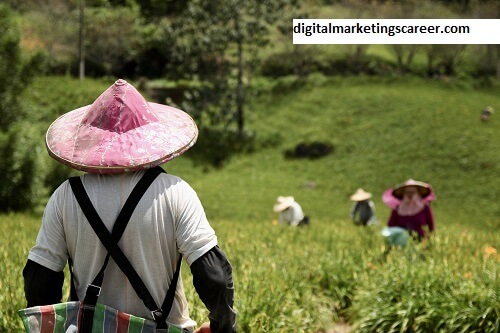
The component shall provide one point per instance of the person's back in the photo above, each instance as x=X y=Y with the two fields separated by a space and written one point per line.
x=119 y=137
x=292 y=215
x=290 y=212
x=155 y=230
x=363 y=212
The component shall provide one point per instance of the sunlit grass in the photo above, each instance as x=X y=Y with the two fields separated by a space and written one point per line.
x=306 y=279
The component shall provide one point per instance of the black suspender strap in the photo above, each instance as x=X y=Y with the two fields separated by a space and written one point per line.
x=109 y=240
x=169 y=297
x=125 y=213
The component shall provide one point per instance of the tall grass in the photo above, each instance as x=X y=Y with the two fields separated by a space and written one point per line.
x=307 y=279
x=17 y=232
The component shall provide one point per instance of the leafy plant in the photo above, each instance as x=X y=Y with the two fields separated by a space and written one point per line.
x=307 y=279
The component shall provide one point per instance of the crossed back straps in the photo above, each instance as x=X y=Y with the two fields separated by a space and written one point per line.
x=110 y=242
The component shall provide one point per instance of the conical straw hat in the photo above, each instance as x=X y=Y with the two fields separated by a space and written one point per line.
x=120 y=132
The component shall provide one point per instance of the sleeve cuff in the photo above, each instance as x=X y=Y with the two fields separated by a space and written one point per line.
x=198 y=253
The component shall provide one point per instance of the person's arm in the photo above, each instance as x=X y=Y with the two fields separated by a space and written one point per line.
x=213 y=281
x=372 y=207
x=430 y=219
x=373 y=218
x=42 y=286
x=281 y=218
x=354 y=209
x=393 y=220
x=43 y=273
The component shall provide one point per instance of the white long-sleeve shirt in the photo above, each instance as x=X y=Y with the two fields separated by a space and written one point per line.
x=168 y=217
x=292 y=215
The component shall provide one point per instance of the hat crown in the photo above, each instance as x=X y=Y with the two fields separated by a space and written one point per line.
x=423 y=188
x=410 y=182
x=119 y=109
x=283 y=203
x=120 y=132
x=361 y=195
x=281 y=199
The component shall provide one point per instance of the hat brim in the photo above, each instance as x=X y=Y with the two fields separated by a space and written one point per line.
x=423 y=189
x=391 y=201
x=281 y=206
x=91 y=149
x=361 y=196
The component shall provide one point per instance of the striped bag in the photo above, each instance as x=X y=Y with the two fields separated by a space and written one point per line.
x=63 y=318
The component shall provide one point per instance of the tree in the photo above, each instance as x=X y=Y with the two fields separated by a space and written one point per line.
x=218 y=42
x=19 y=158
x=49 y=25
x=152 y=9
x=110 y=36
x=14 y=72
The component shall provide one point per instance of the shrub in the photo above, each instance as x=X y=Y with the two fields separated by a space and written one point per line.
x=288 y=63
x=15 y=73
x=21 y=173
x=369 y=65
x=215 y=146
x=310 y=150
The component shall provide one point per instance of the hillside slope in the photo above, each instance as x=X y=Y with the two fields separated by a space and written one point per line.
x=384 y=131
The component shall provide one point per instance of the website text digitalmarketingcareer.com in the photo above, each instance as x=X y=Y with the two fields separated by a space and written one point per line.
x=396 y=31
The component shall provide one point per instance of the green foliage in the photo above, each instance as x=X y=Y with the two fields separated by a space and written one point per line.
x=110 y=38
x=307 y=279
x=49 y=97
x=160 y=8
x=21 y=172
x=49 y=27
x=384 y=130
x=14 y=72
x=219 y=145
x=432 y=289
x=216 y=42
x=20 y=184
x=17 y=238
x=123 y=34
x=153 y=50
x=287 y=63
x=28 y=175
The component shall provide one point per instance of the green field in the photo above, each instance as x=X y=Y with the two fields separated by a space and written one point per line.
x=383 y=130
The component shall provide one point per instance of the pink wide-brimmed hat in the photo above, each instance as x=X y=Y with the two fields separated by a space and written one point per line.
x=392 y=196
x=120 y=132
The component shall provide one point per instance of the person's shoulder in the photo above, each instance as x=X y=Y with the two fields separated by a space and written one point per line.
x=62 y=188
x=173 y=182
x=168 y=177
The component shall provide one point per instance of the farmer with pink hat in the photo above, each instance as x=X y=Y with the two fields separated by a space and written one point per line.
x=119 y=141
x=410 y=203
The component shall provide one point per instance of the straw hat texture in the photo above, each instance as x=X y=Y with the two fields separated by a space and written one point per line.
x=282 y=203
x=361 y=195
x=120 y=132
x=423 y=188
